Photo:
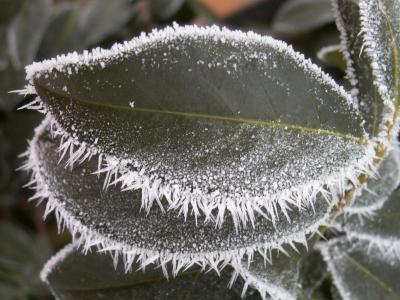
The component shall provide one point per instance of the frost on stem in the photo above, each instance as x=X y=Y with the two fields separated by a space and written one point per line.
x=114 y=222
x=223 y=122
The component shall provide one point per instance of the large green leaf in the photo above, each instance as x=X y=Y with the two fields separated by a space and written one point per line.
x=362 y=273
x=23 y=41
x=21 y=258
x=115 y=220
x=370 y=35
x=299 y=16
x=208 y=118
x=73 y=275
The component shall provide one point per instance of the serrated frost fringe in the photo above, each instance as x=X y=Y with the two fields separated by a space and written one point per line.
x=388 y=247
x=344 y=41
x=186 y=202
x=86 y=238
x=242 y=211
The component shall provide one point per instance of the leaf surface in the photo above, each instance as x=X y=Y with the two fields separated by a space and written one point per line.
x=202 y=115
x=362 y=273
x=73 y=275
x=114 y=220
x=300 y=16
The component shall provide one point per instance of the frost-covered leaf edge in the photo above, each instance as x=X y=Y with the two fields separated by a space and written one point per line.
x=86 y=238
x=389 y=112
x=241 y=210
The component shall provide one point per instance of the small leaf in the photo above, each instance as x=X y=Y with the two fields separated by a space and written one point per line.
x=24 y=42
x=331 y=56
x=201 y=115
x=163 y=9
x=61 y=34
x=300 y=16
x=92 y=26
x=114 y=220
x=73 y=275
x=360 y=272
x=21 y=257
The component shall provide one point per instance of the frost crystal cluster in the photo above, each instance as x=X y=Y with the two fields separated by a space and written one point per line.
x=205 y=148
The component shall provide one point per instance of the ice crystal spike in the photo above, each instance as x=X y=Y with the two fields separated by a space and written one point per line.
x=223 y=122
x=114 y=222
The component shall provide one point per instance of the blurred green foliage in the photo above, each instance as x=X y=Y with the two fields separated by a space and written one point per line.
x=33 y=30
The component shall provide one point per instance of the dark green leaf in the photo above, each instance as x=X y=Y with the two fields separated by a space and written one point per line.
x=205 y=114
x=11 y=79
x=360 y=272
x=21 y=258
x=72 y=275
x=299 y=16
x=114 y=220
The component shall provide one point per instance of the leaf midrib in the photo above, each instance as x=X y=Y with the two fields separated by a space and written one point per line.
x=368 y=273
x=257 y=122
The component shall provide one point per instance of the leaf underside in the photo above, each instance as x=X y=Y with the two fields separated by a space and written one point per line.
x=116 y=217
x=72 y=275
x=208 y=111
x=361 y=272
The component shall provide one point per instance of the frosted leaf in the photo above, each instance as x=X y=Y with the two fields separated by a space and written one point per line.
x=332 y=56
x=381 y=229
x=278 y=278
x=372 y=34
x=114 y=221
x=362 y=273
x=293 y=273
x=358 y=71
x=378 y=189
x=213 y=111
x=299 y=16
x=73 y=275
